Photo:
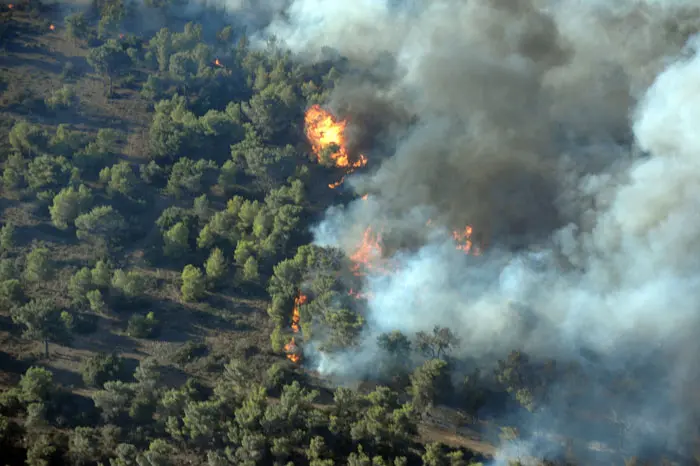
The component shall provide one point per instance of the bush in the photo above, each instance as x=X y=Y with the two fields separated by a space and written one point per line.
x=102 y=368
x=189 y=352
x=61 y=98
x=143 y=326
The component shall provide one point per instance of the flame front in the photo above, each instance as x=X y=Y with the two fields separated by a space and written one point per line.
x=368 y=252
x=324 y=131
x=291 y=349
x=296 y=316
x=10 y=6
x=217 y=62
x=52 y=27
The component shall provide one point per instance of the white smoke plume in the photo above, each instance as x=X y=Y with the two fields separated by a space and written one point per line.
x=521 y=128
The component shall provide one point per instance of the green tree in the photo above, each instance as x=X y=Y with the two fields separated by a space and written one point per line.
x=14 y=173
x=193 y=283
x=101 y=274
x=437 y=344
x=36 y=385
x=101 y=368
x=250 y=270
x=429 y=383
x=84 y=446
x=176 y=240
x=7 y=236
x=46 y=173
x=187 y=176
x=96 y=301
x=107 y=60
x=27 y=139
x=80 y=284
x=11 y=293
x=130 y=284
x=143 y=326
x=215 y=266
x=68 y=204
x=39 y=266
x=397 y=348
x=77 y=26
x=102 y=226
x=119 y=178
x=42 y=321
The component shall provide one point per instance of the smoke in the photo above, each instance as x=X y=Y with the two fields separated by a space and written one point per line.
x=564 y=133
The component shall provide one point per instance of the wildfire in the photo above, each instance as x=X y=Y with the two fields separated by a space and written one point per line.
x=365 y=197
x=292 y=349
x=464 y=241
x=324 y=131
x=52 y=27
x=10 y=6
x=368 y=252
x=217 y=62
x=298 y=301
x=121 y=36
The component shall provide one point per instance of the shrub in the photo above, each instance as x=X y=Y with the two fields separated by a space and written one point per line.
x=102 y=368
x=143 y=326
x=61 y=98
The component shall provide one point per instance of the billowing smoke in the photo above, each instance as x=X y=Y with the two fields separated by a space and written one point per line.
x=564 y=133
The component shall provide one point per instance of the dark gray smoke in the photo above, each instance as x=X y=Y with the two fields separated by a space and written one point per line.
x=520 y=126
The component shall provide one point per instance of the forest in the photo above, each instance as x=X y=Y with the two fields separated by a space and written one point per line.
x=162 y=298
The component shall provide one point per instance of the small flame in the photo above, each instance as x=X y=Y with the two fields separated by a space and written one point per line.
x=359 y=294
x=365 y=197
x=217 y=62
x=337 y=183
x=11 y=6
x=121 y=36
x=292 y=349
x=52 y=27
x=465 y=242
x=296 y=316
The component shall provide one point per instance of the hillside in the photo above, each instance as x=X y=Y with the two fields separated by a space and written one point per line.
x=285 y=233
x=99 y=217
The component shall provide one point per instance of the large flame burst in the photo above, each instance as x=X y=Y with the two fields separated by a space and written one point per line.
x=325 y=131
x=368 y=252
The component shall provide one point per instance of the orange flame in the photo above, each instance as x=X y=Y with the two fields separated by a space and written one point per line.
x=337 y=183
x=217 y=62
x=298 y=301
x=292 y=349
x=464 y=241
x=365 y=197
x=52 y=27
x=121 y=36
x=323 y=130
x=368 y=252
x=10 y=6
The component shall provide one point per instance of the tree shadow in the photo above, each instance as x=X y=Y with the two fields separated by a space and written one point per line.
x=10 y=364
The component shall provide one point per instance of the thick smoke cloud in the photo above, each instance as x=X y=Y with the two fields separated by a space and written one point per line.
x=564 y=132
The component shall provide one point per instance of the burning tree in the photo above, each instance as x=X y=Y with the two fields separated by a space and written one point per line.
x=326 y=134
